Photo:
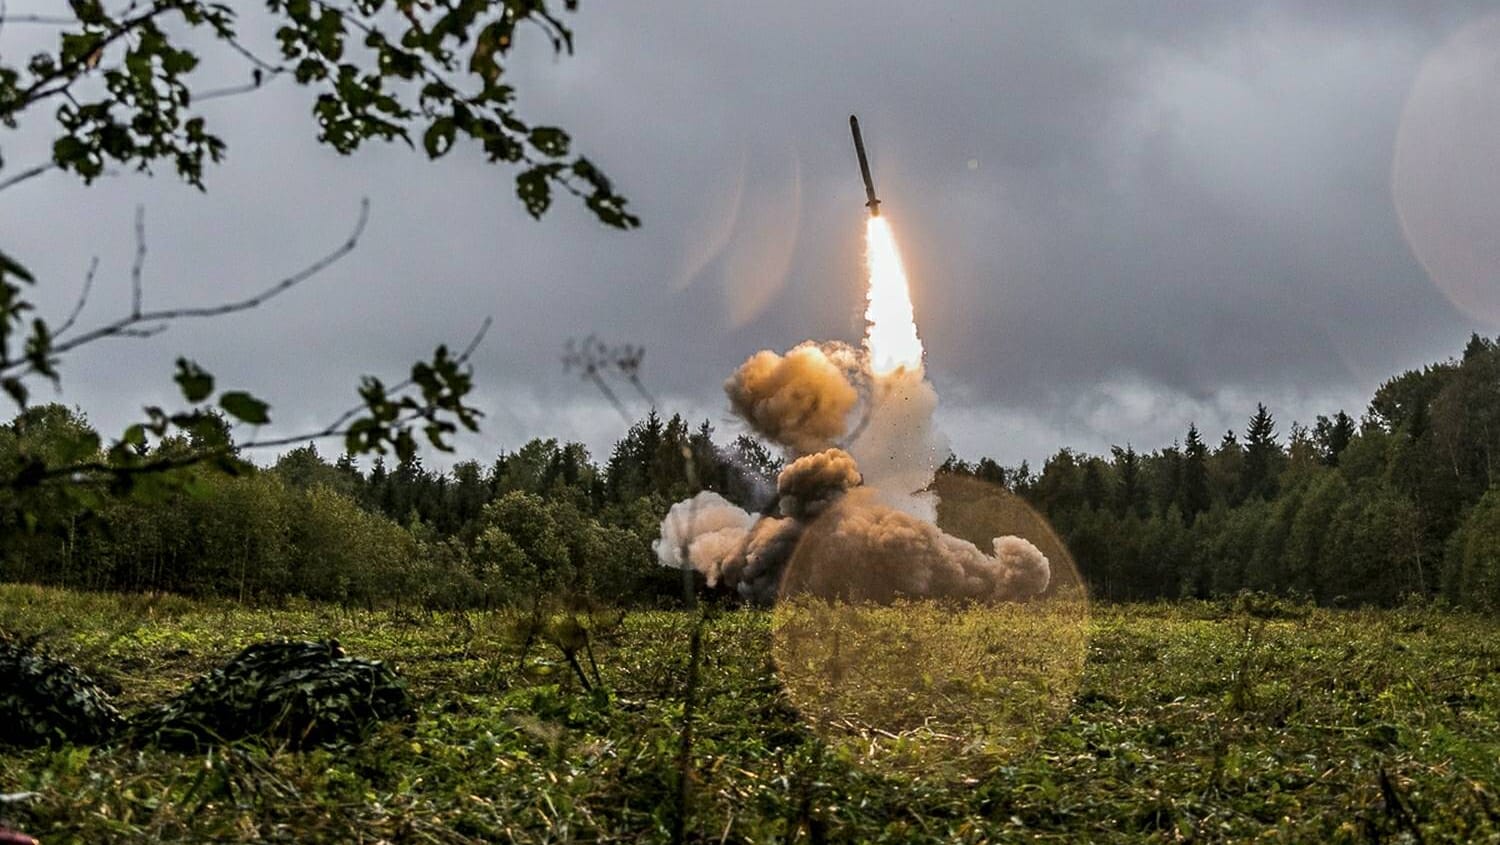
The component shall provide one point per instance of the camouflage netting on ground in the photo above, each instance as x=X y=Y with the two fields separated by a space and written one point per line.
x=300 y=693
x=45 y=701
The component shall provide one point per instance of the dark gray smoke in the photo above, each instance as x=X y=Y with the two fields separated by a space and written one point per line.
x=812 y=482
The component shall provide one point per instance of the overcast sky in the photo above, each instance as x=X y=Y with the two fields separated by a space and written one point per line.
x=1118 y=218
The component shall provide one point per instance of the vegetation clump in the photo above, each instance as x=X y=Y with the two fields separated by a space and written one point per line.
x=45 y=701
x=303 y=693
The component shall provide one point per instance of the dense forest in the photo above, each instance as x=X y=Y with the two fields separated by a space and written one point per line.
x=1397 y=504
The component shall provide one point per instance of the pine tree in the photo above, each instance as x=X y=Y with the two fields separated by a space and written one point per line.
x=1262 y=456
x=1331 y=436
x=710 y=472
x=1021 y=480
x=1095 y=493
x=349 y=468
x=1166 y=478
x=988 y=470
x=1192 y=493
x=954 y=465
x=1226 y=469
x=1128 y=498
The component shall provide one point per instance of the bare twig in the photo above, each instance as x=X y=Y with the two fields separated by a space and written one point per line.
x=83 y=297
x=635 y=381
x=27 y=174
x=260 y=69
x=259 y=63
x=141 y=323
x=154 y=321
x=229 y=91
x=83 y=470
x=685 y=735
x=140 y=261
x=695 y=660
x=50 y=20
x=593 y=359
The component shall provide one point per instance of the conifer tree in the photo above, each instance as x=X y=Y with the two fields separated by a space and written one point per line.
x=1192 y=493
x=1262 y=456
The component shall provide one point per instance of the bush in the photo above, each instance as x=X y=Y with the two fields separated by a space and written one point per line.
x=44 y=701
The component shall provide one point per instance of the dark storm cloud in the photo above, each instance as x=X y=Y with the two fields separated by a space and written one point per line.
x=1118 y=218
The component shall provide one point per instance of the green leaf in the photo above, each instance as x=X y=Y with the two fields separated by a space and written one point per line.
x=135 y=436
x=89 y=11
x=550 y=140
x=78 y=46
x=15 y=389
x=438 y=139
x=406 y=445
x=535 y=191
x=196 y=384
x=244 y=407
x=83 y=446
x=8 y=265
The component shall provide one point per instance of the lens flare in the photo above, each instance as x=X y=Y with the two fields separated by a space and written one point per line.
x=892 y=334
x=938 y=689
x=1443 y=179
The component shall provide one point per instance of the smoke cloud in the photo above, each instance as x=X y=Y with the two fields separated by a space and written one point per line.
x=812 y=482
x=868 y=551
x=701 y=533
x=898 y=448
x=856 y=523
x=801 y=400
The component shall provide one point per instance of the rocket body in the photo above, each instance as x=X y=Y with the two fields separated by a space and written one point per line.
x=864 y=168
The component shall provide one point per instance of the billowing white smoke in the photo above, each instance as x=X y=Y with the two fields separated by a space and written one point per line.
x=700 y=533
x=871 y=502
x=898 y=448
x=868 y=551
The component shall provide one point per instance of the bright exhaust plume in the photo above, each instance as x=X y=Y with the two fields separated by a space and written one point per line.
x=892 y=334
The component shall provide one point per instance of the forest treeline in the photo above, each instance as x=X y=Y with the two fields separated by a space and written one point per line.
x=543 y=519
x=1400 y=502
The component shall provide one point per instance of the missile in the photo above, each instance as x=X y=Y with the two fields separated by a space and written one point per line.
x=864 y=168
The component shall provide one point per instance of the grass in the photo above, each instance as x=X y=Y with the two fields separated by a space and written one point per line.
x=929 y=689
x=1187 y=722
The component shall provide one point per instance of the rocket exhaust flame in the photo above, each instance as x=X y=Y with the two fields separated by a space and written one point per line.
x=891 y=336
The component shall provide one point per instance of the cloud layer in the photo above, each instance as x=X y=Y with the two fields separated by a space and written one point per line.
x=1187 y=204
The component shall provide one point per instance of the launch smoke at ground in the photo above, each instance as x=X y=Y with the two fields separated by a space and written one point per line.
x=857 y=425
x=930 y=648
x=940 y=689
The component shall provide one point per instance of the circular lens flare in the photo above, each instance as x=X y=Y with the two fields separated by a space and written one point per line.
x=933 y=688
x=1443 y=179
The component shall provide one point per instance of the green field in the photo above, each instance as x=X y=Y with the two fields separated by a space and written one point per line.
x=1192 y=722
